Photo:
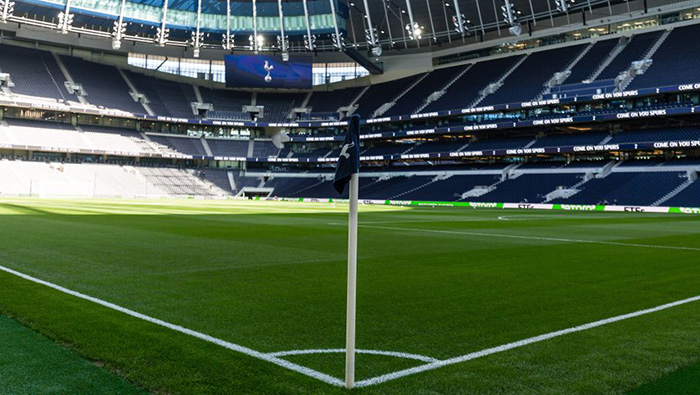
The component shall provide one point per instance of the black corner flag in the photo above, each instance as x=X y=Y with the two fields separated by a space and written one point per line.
x=349 y=159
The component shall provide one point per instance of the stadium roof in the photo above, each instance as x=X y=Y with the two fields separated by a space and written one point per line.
x=232 y=24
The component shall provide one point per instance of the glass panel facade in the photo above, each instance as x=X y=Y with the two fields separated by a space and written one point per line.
x=323 y=73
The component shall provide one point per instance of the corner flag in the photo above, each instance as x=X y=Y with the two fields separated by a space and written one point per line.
x=349 y=159
x=347 y=172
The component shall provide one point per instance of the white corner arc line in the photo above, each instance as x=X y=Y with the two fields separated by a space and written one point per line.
x=519 y=343
x=404 y=355
x=231 y=346
x=543 y=238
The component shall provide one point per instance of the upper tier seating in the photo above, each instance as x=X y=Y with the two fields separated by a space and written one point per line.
x=633 y=51
x=466 y=89
x=677 y=61
x=379 y=94
x=34 y=73
x=331 y=101
x=165 y=98
x=527 y=82
x=434 y=81
x=228 y=104
x=278 y=106
x=104 y=85
x=591 y=61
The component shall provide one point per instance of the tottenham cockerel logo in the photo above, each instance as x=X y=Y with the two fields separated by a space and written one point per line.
x=344 y=151
x=268 y=68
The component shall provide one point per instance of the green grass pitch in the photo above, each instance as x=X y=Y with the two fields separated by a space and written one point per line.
x=434 y=282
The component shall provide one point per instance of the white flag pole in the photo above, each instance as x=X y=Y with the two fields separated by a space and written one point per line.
x=352 y=283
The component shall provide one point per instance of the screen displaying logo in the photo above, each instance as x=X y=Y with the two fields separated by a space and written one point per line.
x=268 y=71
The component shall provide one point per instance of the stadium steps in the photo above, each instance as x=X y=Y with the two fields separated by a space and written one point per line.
x=206 y=185
x=498 y=83
x=608 y=168
x=613 y=54
x=197 y=94
x=386 y=106
x=158 y=148
x=574 y=189
x=530 y=144
x=411 y=148
x=673 y=193
x=649 y=54
x=135 y=92
x=553 y=81
x=205 y=144
x=437 y=94
x=85 y=140
x=66 y=75
x=251 y=148
x=306 y=100
x=606 y=140
x=231 y=180
x=359 y=96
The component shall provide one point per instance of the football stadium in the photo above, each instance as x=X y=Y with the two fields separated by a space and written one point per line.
x=338 y=196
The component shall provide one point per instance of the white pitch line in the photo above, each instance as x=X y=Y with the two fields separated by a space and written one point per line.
x=342 y=350
x=541 y=238
x=520 y=343
x=231 y=346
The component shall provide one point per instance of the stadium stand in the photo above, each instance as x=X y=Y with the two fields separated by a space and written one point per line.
x=380 y=94
x=465 y=90
x=677 y=61
x=434 y=81
x=186 y=145
x=642 y=188
x=323 y=102
x=590 y=62
x=228 y=147
x=278 y=106
x=34 y=73
x=528 y=81
x=103 y=84
x=635 y=50
x=527 y=188
x=264 y=148
x=559 y=140
x=103 y=180
x=228 y=104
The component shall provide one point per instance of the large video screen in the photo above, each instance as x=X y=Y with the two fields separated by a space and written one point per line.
x=268 y=71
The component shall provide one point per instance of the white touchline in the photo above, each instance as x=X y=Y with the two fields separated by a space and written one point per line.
x=274 y=356
x=616 y=243
x=231 y=346
x=520 y=343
